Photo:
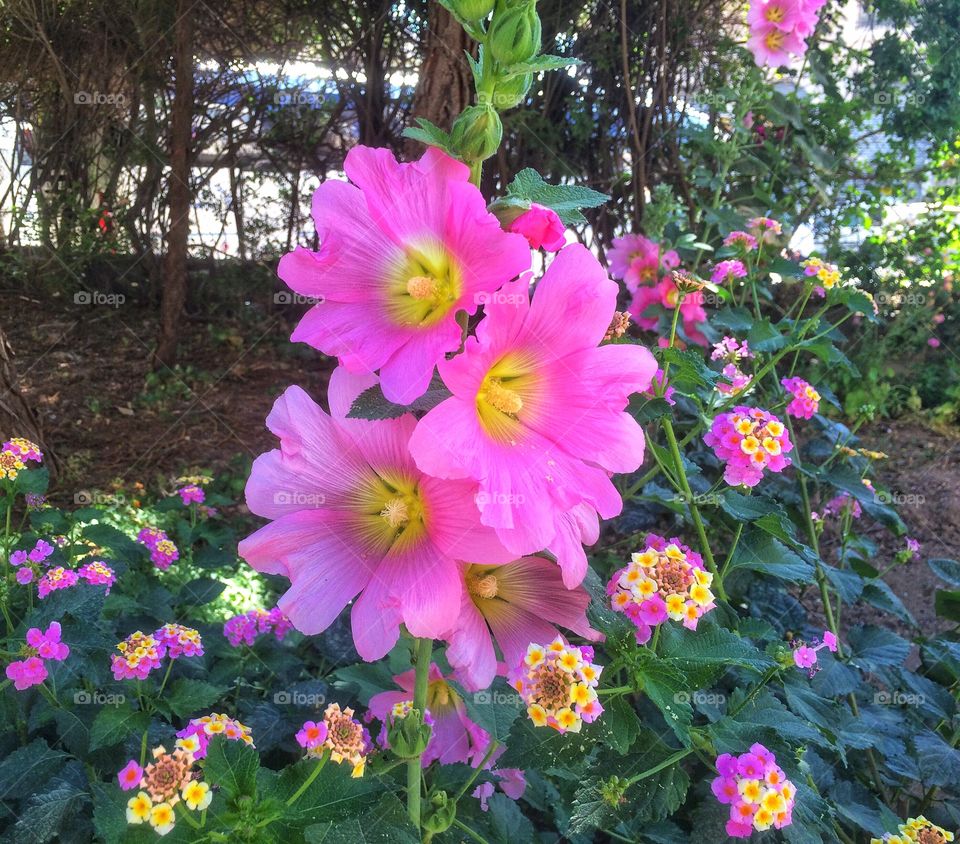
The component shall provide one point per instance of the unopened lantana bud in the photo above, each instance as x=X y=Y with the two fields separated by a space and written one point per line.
x=515 y=34
x=477 y=132
x=618 y=327
x=613 y=791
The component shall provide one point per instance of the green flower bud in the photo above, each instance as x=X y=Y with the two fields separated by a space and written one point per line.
x=472 y=10
x=508 y=208
x=613 y=791
x=477 y=132
x=508 y=93
x=515 y=34
x=408 y=734
x=440 y=814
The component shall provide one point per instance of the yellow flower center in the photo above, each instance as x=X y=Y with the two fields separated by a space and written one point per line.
x=502 y=398
x=774 y=39
x=423 y=285
x=774 y=13
x=396 y=512
x=482 y=585
x=507 y=390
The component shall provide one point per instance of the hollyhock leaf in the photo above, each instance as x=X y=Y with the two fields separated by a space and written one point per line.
x=233 y=766
x=115 y=724
x=946 y=570
x=646 y=410
x=540 y=64
x=384 y=823
x=876 y=646
x=431 y=135
x=372 y=404
x=566 y=200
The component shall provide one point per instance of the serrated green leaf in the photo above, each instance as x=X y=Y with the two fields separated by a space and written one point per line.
x=188 y=698
x=372 y=404
x=566 y=200
x=115 y=724
x=233 y=766
x=539 y=65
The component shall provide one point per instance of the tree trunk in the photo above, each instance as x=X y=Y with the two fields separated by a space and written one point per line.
x=17 y=418
x=178 y=192
x=445 y=83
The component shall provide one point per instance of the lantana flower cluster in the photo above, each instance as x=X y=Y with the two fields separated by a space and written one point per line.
x=732 y=352
x=749 y=440
x=665 y=580
x=827 y=274
x=558 y=683
x=916 y=831
x=41 y=646
x=196 y=736
x=163 y=551
x=341 y=734
x=15 y=454
x=98 y=573
x=141 y=653
x=166 y=781
x=806 y=400
x=778 y=29
x=245 y=628
x=758 y=792
x=28 y=563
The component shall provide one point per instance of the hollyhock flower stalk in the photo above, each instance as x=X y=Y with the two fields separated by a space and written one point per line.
x=403 y=249
x=542 y=482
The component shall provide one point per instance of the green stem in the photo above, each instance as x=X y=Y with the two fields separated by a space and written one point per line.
x=293 y=798
x=143 y=749
x=666 y=763
x=733 y=548
x=692 y=507
x=166 y=677
x=494 y=744
x=423 y=652
x=184 y=813
x=476 y=836
x=8 y=575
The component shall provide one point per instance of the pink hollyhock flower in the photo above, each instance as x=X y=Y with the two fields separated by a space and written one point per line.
x=26 y=673
x=639 y=261
x=130 y=776
x=56 y=578
x=403 y=249
x=312 y=734
x=514 y=604
x=642 y=299
x=779 y=14
x=530 y=365
x=727 y=271
x=47 y=644
x=352 y=515
x=542 y=227
x=455 y=737
x=691 y=308
x=749 y=440
x=774 y=47
x=806 y=400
